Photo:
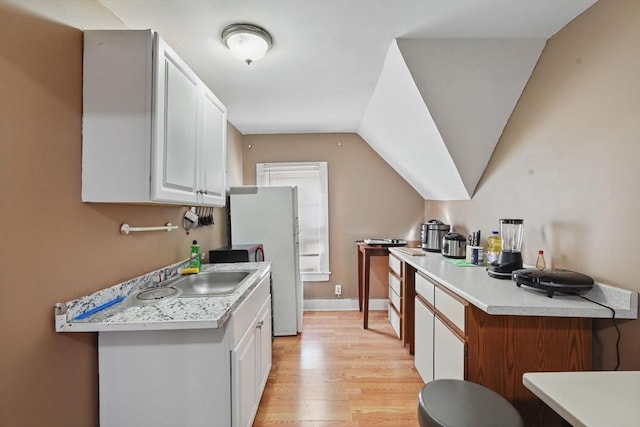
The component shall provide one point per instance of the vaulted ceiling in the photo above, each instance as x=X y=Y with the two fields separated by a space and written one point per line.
x=415 y=78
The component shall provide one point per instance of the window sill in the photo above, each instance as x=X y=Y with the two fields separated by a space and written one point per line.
x=315 y=277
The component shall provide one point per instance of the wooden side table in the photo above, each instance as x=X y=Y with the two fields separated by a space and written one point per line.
x=365 y=252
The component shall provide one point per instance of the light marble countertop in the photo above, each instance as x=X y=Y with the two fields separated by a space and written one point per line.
x=174 y=313
x=597 y=399
x=503 y=297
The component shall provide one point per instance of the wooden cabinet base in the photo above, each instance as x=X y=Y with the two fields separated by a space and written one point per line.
x=502 y=348
x=409 y=291
x=498 y=349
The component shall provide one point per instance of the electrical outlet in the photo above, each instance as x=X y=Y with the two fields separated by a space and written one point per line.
x=338 y=291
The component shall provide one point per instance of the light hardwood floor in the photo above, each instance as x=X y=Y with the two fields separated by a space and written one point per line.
x=337 y=374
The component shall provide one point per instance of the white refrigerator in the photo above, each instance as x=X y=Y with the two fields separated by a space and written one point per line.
x=269 y=215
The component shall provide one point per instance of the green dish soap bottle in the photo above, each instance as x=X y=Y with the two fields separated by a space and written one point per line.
x=195 y=261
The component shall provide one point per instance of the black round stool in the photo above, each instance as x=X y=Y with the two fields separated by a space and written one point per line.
x=457 y=403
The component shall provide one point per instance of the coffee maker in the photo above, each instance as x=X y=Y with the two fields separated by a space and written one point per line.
x=510 y=258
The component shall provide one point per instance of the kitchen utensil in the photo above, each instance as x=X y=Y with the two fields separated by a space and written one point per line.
x=190 y=219
x=431 y=234
x=99 y=308
x=510 y=258
x=454 y=245
x=474 y=238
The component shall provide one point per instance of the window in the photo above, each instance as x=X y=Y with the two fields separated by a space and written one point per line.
x=313 y=211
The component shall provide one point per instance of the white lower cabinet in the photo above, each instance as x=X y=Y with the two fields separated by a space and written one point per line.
x=440 y=350
x=423 y=341
x=250 y=366
x=394 y=310
x=266 y=339
x=244 y=377
x=394 y=319
x=164 y=378
x=212 y=377
x=448 y=353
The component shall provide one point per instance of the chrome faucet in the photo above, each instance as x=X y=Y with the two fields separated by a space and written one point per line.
x=170 y=272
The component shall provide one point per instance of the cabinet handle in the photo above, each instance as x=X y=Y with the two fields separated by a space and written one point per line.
x=203 y=191
x=259 y=324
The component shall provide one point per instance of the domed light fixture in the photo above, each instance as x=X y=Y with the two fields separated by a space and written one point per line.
x=247 y=42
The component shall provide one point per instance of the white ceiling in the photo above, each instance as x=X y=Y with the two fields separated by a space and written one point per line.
x=327 y=54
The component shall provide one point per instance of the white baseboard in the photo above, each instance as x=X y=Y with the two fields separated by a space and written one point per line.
x=342 y=304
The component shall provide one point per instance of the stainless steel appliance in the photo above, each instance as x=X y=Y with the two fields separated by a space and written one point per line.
x=454 y=245
x=510 y=258
x=431 y=234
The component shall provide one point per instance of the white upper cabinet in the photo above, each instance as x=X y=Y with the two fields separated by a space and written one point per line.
x=214 y=152
x=152 y=131
x=176 y=123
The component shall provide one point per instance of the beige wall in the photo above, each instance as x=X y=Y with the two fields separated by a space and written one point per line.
x=367 y=198
x=234 y=156
x=53 y=247
x=568 y=161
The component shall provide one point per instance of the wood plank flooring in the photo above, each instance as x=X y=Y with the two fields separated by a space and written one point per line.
x=337 y=374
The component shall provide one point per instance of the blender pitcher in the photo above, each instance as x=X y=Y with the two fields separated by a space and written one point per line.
x=510 y=258
x=511 y=234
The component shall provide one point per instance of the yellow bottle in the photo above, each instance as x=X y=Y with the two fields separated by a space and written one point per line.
x=494 y=246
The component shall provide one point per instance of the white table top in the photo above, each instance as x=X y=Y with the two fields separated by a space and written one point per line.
x=594 y=399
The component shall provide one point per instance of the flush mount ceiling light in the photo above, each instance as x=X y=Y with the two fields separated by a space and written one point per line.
x=247 y=42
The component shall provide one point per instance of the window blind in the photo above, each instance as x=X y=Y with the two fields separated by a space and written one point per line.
x=313 y=208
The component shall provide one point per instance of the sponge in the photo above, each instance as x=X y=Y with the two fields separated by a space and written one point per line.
x=193 y=270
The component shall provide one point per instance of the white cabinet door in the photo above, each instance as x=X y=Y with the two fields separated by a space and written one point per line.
x=264 y=356
x=448 y=355
x=250 y=367
x=244 y=379
x=175 y=124
x=164 y=378
x=152 y=130
x=212 y=150
x=423 y=341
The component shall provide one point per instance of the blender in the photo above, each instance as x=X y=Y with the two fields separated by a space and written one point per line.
x=510 y=258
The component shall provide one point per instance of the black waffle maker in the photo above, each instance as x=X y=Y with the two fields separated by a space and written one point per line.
x=564 y=281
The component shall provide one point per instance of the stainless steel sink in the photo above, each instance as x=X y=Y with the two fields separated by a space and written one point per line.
x=210 y=283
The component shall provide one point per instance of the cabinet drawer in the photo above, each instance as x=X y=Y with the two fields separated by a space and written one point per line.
x=450 y=307
x=424 y=288
x=394 y=319
x=395 y=299
x=394 y=283
x=395 y=265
